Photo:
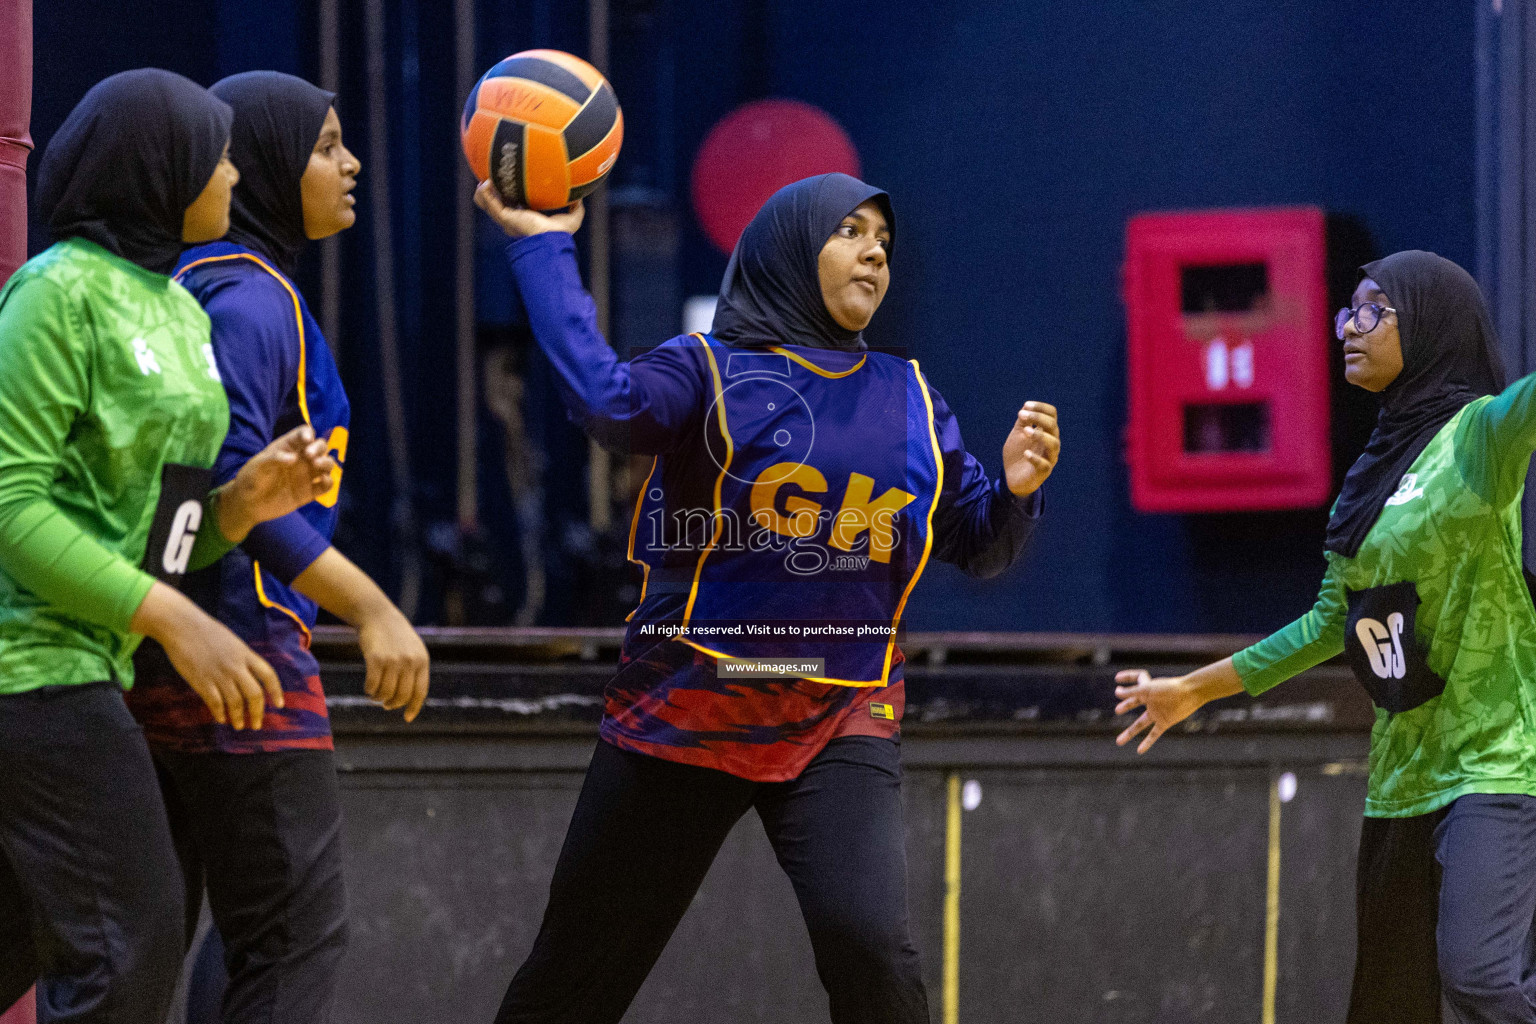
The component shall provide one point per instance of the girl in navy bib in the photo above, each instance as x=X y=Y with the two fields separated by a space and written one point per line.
x=800 y=483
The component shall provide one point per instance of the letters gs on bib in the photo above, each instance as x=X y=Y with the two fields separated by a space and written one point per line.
x=178 y=517
x=1383 y=651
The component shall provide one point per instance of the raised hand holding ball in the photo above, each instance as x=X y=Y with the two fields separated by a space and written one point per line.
x=544 y=127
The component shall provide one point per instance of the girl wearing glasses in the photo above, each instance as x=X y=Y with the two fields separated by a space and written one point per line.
x=1425 y=595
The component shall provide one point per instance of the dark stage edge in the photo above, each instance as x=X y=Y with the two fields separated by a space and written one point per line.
x=1095 y=886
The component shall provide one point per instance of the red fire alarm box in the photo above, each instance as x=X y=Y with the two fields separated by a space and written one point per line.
x=1228 y=362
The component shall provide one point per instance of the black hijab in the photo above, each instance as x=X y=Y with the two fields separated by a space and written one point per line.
x=771 y=294
x=128 y=161
x=277 y=119
x=1450 y=357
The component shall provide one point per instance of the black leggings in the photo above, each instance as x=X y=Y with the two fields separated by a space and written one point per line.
x=90 y=897
x=263 y=832
x=642 y=838
x=1445 y=907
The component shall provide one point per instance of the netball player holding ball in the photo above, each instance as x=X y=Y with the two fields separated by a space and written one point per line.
x=685 y=749
x=1426 y=596
x=111 y=413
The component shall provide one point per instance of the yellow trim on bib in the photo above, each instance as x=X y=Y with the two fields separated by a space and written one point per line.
x=816 y=369
x=725 y=431
x=634 y=527
x=261 y=595
x=298 y=313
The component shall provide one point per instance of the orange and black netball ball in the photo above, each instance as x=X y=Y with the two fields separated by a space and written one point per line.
x=544 y=127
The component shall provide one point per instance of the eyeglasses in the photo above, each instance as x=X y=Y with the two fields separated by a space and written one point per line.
x=1366 y=316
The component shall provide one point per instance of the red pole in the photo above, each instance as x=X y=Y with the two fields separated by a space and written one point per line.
x=15 y=144
x=15 y=139
x=24 y=1012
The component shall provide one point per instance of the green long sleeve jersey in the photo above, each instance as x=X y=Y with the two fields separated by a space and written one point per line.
x=106 y=376
x=1453 y=531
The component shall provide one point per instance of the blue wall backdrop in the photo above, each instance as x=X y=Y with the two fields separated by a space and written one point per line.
x=1015 y=140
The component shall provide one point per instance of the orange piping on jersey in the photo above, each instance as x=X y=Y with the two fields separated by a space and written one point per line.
x=298 y=313
x=938 y=465
x=816 y=369
x=261 y=595
x=725 y=431
x=927 y=541
x=634 y=527
x=890 y=647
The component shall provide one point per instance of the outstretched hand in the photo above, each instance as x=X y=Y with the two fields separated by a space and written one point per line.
x=1032 y=448
x=520 y=222
x=1167 y=702
x=284 y=476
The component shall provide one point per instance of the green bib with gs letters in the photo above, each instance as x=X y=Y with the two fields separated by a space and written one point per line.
x=1434 y=618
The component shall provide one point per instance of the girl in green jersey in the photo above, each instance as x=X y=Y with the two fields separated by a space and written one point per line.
x=1426 y=595
x=111 y=413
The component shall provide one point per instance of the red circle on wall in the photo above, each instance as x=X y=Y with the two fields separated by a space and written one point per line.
x=756 y=150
